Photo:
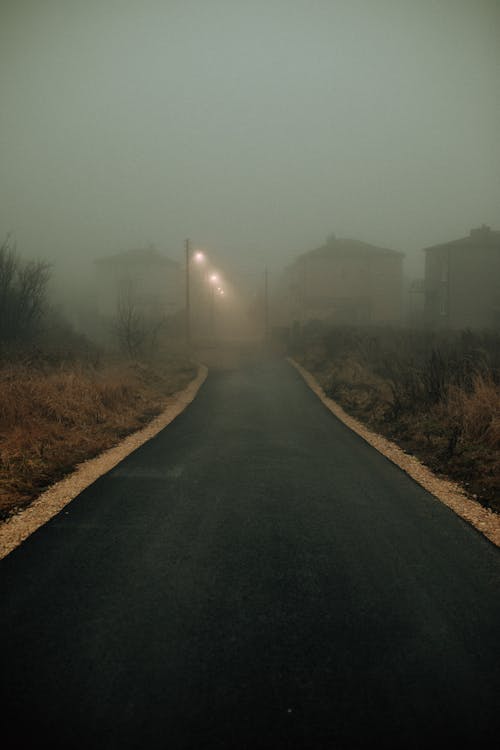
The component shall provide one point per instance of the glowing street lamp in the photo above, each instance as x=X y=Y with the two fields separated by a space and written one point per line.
x=187 y=246
x=213 y=279
x=198 y=257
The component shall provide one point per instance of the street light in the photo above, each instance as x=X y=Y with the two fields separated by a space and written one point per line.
x=199 y=257
x=213 y=279
x=188 y=301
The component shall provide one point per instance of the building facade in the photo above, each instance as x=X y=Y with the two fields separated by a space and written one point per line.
x=462 y=282
x=345 y=281
x=144 y=278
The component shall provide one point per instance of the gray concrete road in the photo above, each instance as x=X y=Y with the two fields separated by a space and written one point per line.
x=256 y=576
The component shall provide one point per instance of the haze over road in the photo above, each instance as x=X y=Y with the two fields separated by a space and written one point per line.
x=255 y=576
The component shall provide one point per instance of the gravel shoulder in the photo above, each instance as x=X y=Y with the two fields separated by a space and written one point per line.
x=450 y=493
x=19 y=527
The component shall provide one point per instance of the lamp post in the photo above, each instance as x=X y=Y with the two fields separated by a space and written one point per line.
x=199 y=257
x=213 y=281
x=266 y=307
x=188 y=300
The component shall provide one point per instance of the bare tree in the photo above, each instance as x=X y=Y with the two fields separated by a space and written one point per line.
x=129 y=324
x=136 y=326
x=23 y=287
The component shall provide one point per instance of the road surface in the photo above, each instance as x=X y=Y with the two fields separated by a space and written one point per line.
x=256 y=576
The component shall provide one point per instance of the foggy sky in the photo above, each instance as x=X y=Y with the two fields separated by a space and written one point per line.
x=254 y=128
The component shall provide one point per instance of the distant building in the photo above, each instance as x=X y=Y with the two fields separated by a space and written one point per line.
x=144 y=277
x=346 y=282
x=462 y=281
x=415 y=311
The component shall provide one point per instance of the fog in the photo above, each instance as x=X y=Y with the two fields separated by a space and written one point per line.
x=256 y=129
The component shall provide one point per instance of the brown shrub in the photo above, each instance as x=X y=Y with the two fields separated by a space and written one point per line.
x=50 y=421
x=436 y=394
x=477 y=413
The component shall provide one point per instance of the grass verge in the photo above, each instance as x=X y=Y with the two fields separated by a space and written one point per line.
x=437 y=398
x=53 y=419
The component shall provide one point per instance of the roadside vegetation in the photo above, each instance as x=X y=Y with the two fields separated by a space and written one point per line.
x=437 y=395
x=62 y=398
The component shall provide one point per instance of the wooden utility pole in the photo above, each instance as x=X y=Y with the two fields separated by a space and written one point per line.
x=188 y=300
x=266 y=306
x=212 y=311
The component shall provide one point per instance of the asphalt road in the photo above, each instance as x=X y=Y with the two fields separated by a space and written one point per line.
x=256 y=576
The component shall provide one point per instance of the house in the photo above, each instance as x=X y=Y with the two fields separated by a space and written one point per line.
x=462 y=281
x=345 y=281
x=415 y=303
x=144 y=278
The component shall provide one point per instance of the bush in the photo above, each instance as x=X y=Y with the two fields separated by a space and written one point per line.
x=22 y=296
x=436 y=393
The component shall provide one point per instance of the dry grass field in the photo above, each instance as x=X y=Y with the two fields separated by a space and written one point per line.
x=51 y=419
x=438 y=397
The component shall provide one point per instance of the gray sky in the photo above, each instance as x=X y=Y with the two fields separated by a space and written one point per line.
x=255 y=128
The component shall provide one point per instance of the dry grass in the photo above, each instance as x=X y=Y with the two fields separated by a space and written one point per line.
x=51 y=421
x=477 y=414
x=439 y=400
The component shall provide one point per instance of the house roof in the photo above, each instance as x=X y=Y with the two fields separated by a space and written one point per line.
x=148 y=256
x=339 y=248
x=481 y=236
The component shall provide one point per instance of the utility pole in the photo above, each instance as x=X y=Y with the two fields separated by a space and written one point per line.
x=212 y=311
x=304 y=281
x=188 y=301
x=266 y=306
